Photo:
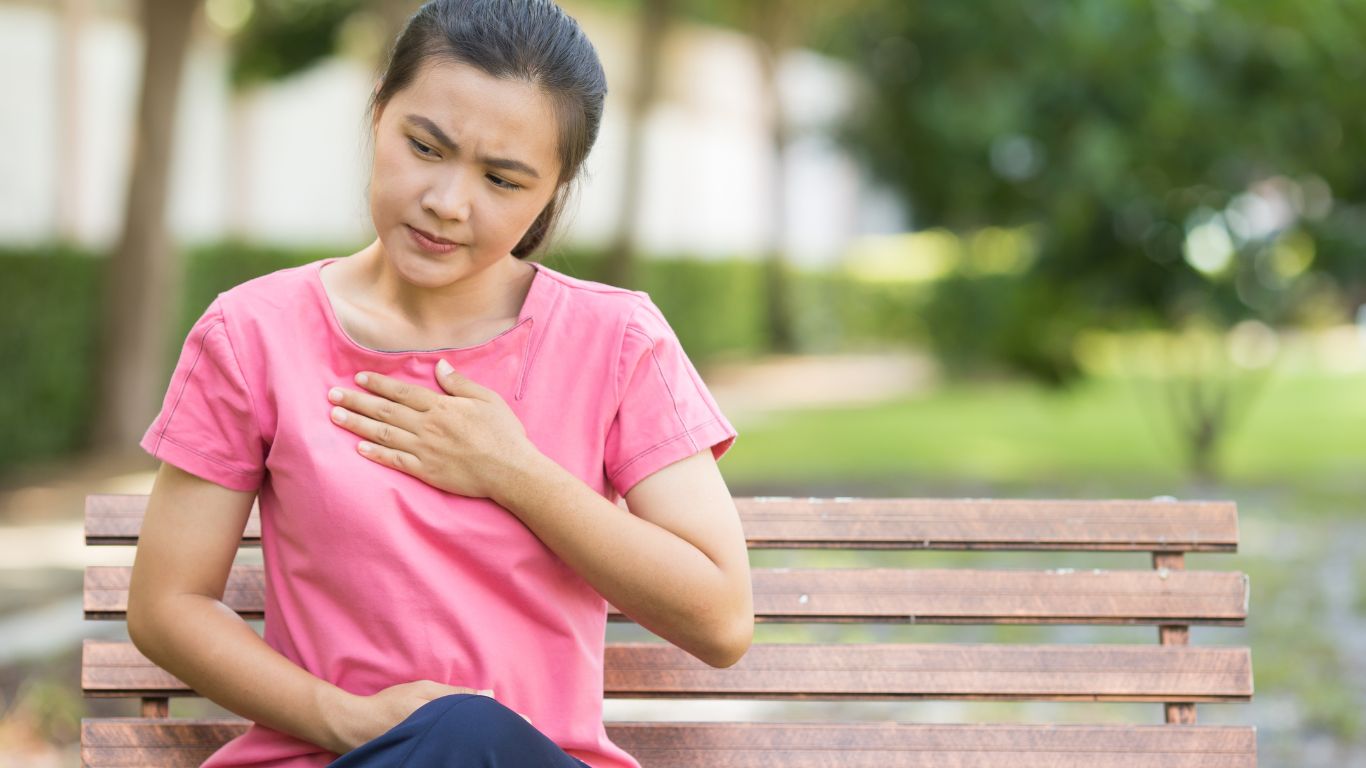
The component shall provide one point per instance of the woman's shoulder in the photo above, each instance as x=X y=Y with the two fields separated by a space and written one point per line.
x=600 y=303
x=271 y=293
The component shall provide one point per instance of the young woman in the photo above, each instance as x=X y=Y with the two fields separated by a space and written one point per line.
x=439 y=431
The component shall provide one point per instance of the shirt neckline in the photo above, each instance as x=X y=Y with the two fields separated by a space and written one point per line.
x=530 y=305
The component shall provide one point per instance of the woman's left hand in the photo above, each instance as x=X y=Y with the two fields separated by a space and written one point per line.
x=461 y=442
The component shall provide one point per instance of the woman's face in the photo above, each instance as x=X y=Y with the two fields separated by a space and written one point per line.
x=462 y=156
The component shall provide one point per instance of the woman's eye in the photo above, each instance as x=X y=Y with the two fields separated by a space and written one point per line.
x=502 y=183
x=422 y=148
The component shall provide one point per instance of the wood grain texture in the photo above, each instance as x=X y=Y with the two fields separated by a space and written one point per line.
x=885 y=595
x=862 y=523
x=121 y=742
x=873 y=672
x=1172 y=673
x=772 y=522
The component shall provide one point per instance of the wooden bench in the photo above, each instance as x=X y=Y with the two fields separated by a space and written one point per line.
x=1170 y=672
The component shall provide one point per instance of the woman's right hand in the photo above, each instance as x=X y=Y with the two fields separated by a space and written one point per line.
x=360 y=719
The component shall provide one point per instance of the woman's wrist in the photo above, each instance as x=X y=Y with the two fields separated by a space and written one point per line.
x=512 y=473
x=336 y=710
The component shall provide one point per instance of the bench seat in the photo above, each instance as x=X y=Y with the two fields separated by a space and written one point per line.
x=1170 y=672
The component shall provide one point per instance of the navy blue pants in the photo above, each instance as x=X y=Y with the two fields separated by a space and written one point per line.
x=460 y=730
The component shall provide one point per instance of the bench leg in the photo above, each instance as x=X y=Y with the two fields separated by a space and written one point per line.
x=1174 y=634
x=156 y=706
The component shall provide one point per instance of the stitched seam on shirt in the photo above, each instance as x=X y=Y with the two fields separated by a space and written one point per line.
x=691 y=369
x=205 y=456
x=672 y=399
x=639 y=332
x=616 y=375
x=199 y=353
x=251 y=399
x=664 y=443
x=529 y=351
x=701 y=387
x=525 y=365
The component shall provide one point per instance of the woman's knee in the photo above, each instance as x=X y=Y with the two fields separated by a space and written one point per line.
x=482 y=723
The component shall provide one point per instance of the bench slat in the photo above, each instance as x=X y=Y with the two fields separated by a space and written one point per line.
x=834 y=672
x=883 y=594
x=119 y=742
x=990 y=524
x=773 y=522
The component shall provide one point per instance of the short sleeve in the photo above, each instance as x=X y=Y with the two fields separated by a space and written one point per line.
x=665 y=412
x=207 y=425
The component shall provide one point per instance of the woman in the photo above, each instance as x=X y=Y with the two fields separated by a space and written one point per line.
x=439 y=431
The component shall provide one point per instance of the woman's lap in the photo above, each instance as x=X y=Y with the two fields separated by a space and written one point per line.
x=461 y=730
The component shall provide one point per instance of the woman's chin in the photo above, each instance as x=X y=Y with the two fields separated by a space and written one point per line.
x=427 y=270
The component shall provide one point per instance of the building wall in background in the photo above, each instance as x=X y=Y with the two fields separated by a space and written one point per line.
x=288 y=163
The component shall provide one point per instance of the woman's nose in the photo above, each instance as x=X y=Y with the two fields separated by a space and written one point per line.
x=449 y=196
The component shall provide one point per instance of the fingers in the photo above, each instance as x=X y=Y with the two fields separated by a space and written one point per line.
x=458 y=384
x=489 y=693
x=360 y=410
x=415 y=397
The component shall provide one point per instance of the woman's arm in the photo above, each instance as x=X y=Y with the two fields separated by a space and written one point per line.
x=176 y=617
x=676 y=563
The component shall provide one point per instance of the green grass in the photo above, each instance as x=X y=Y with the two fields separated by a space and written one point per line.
x=1301 y=430
x=1293 y=465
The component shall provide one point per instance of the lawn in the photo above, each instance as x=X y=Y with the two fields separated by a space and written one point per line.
x=1106 y=435
x=1294 y=466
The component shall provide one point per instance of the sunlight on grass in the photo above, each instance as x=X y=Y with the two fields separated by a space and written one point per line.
x=1301 y=429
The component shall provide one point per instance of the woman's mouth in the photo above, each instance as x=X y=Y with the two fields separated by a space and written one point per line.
x=430 y=243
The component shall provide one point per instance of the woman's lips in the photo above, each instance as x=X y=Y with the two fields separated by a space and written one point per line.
x=430 y=242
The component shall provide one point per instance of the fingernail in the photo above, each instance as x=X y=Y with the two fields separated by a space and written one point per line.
x=444 y=368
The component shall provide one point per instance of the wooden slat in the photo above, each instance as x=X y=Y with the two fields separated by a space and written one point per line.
x=884 y=595
x=122 y=742
x=904 y=745
x=834 y=672
x=116 y=518
x=125 y=742
x=772 y=522
x=961 y=671
x=989 y=524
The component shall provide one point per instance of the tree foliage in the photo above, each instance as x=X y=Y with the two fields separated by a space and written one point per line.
x=283 y=37
x=1175 y=158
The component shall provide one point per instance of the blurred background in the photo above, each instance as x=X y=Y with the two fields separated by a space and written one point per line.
x=1016 y=248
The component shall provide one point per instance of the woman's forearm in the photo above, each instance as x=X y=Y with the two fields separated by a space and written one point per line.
x=213 y=650
x=662 y=581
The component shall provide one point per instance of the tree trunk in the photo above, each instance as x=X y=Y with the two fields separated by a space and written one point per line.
x=144 y=275
x=240 y=159
x=772 y=24
x=75 y=14
x=768 y=29
x=653 y=25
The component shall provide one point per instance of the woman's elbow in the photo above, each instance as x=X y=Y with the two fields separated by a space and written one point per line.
x=734 y=644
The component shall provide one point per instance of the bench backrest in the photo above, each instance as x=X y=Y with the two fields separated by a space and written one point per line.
x=1170 y=671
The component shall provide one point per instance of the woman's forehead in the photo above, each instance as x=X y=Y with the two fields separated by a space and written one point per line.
x=471 y=105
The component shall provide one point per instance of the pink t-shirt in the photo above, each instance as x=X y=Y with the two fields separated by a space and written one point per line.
x=373 y=577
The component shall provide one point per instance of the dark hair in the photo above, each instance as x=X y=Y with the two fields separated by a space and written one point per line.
x=530 y=40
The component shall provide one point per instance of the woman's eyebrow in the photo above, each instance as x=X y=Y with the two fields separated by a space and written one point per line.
x=446 y=142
